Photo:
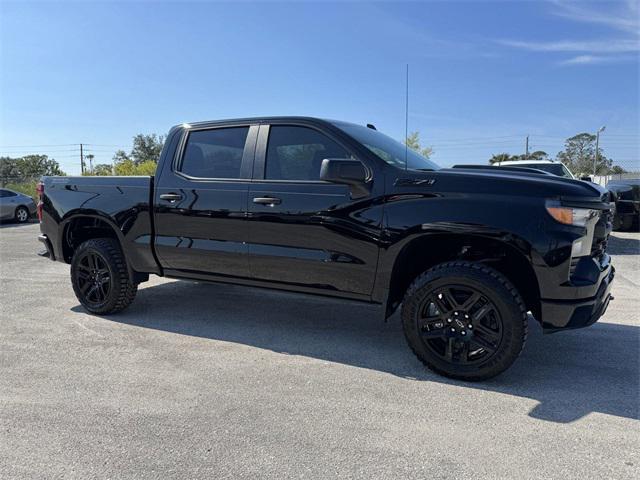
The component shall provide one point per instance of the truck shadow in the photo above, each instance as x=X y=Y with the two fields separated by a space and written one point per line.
x=618 y=245
x=570 y=374
x=13 y=224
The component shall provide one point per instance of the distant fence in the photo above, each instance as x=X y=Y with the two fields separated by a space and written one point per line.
x=604 y=179
x=631 y=169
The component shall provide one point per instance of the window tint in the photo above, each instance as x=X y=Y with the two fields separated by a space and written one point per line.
x=296 y=153
x=6 y=193
x=214 y=153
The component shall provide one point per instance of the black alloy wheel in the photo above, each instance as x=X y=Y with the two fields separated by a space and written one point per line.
x=464 y=320
x=460 y=325
x=93 y=278
x=100 y=277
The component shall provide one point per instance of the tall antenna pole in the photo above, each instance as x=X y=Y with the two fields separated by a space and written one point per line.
x=406 y=122
x=526 y=149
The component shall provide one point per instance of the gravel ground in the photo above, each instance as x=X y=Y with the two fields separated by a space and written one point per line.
x=212 y=381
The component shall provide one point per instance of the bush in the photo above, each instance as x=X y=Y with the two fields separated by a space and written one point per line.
x=27 y=187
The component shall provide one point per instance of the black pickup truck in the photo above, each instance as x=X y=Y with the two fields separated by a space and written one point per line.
x=333 y=208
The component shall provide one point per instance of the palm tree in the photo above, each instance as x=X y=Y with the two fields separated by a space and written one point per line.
x=499 y=158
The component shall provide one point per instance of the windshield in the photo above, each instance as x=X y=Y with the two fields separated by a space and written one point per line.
x=387 y=149
x=555 y=168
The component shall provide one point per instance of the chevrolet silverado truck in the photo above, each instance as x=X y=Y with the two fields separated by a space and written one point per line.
x=333 y=208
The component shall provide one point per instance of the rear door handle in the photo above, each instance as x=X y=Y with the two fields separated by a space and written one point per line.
x=267 y=201
x=171 y=197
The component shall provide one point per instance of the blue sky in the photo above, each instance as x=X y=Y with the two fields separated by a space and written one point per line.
x=483 y=75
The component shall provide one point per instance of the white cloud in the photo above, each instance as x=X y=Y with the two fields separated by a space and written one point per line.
x=594 y=46
x=622 y=17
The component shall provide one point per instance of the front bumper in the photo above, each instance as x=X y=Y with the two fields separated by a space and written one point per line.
x=570 y=314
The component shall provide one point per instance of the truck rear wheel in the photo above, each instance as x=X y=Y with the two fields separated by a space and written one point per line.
x=464 y=320
x=100 y=278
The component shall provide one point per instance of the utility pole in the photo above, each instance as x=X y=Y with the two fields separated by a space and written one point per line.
x=406 y=120
x=595 y=157
x=81 y=160
x=526 y=149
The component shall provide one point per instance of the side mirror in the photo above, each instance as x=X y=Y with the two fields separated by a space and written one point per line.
x=348 y=172
x=586 y=178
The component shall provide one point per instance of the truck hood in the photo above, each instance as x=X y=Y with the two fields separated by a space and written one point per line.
x=505 y=182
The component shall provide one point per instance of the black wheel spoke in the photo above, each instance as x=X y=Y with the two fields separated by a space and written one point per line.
x=481 y=342
x=448 y=349
x=433 y=329
x=464 y=353
x=470 y=302
x=482 y=312
x=91 y=291
x=451 y=300
x=102 y=290
x=486 y=332
x=84 y=287
x=443 y=308
x=83 y=275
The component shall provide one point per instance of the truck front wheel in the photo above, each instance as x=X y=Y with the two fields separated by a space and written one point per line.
x=100 y=278
x=464 y=320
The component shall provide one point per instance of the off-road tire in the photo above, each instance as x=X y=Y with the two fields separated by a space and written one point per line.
x=122 y=290
x=492 y=286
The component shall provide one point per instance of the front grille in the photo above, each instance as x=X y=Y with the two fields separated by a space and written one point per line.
x=601 y=234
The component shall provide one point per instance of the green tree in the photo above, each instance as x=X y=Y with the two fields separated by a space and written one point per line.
x=89 y=159
x=102 y=169
x=538 y=155
x=507 y=157
x=579 y=154
x=413 y=142
x=38 y=165
x=120 y=156
x=124 y=167
x=500 y=157
x=146 y=148
x=8 y=168
x=29 y=166
x=617 y=170
x=129 y=168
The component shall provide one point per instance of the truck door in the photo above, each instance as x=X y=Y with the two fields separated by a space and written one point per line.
x=304 y=232
x=201 y=202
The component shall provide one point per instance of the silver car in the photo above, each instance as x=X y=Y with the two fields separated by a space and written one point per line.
x=16 y=206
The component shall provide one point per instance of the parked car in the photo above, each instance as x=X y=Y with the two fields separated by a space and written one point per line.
x=555 y=168
x=338 y=209
x=626 y=194
x=16 y=206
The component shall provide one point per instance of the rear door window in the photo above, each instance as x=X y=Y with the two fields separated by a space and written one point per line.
x=215 y=153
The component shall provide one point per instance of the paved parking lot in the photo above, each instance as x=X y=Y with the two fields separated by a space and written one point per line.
x=212 y=381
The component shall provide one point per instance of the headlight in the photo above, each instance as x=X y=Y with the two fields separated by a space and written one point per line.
x=571 y=216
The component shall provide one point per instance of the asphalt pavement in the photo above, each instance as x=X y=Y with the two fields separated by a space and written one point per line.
x=211 y=381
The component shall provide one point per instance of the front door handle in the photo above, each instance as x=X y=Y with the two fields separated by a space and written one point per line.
x=171 y=197
x=271 y=201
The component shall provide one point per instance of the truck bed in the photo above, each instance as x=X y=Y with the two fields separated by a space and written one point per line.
x=124 y=203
